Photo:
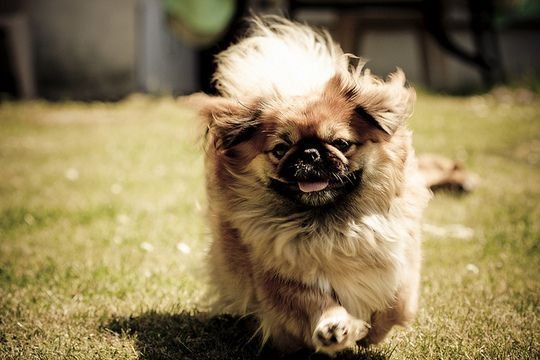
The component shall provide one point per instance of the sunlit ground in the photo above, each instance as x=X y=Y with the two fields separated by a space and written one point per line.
x=102 y=234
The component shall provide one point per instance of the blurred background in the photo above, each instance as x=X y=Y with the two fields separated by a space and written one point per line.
x=106 y=50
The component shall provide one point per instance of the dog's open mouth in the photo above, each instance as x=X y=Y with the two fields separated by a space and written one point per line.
x=317 y=192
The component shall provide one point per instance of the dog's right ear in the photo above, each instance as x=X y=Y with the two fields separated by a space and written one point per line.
x=229 y=122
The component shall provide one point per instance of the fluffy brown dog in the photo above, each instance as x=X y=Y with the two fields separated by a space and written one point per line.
x=314 y=194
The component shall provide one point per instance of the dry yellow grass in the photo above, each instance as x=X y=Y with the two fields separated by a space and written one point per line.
x=102 y=234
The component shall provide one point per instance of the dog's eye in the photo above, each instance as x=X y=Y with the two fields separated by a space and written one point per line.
x=341 y=144
x=279 y=150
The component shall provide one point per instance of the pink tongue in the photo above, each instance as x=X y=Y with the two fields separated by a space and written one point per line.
x=312 y=186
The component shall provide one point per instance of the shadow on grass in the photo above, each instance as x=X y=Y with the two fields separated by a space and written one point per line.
x=192 y=337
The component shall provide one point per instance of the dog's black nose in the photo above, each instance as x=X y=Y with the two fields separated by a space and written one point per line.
x=311 y=154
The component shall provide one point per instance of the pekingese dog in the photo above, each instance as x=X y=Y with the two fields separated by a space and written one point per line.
x=315 y=199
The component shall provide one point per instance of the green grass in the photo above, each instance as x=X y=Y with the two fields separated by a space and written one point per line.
x=95 y=199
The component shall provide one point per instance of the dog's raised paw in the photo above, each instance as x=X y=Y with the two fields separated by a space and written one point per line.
x=337 y=331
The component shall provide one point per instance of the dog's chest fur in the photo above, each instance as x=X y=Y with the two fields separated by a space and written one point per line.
x=358 y=261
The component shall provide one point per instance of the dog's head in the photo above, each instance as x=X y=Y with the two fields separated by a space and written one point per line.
x=312 y=150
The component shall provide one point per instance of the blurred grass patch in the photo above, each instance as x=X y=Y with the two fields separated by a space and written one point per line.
x=102 y=234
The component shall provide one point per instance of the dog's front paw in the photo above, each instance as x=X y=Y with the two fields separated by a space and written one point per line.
x=337 y=331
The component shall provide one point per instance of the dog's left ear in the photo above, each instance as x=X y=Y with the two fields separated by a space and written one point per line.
x=229 y=122
x=389 y=103
x=386 y=105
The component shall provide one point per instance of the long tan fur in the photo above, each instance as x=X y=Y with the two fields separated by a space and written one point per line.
x=324 y=270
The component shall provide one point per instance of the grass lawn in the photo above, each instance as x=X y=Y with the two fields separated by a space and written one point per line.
x=102 y=235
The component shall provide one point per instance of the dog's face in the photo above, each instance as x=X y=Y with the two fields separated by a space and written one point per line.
x=310 y=150
x=315 y=153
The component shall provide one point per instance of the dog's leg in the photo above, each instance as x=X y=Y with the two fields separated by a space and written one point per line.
x=402 y=311
x=294 y=314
